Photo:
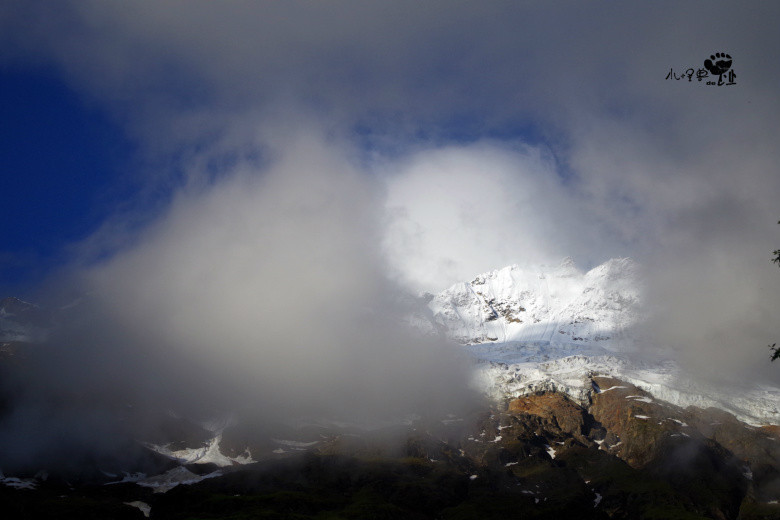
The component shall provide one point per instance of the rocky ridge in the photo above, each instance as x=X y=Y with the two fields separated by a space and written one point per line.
x=620 y=455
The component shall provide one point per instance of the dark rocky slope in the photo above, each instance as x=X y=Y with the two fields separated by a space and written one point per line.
x=624 y=455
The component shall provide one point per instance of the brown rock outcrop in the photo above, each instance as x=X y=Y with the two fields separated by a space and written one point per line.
x=555 y=410
x=636 y=419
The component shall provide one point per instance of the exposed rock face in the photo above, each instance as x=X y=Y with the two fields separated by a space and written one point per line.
x=636 y=448
x=636 y=421
x=556 y=411
x=621 y=453
x=771 y=431
x=647 y=427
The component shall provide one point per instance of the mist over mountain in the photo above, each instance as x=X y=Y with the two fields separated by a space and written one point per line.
x=263 y=296
x=545 y=379
x=234 y=208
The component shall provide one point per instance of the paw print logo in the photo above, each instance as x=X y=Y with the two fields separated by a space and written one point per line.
x=719 y=63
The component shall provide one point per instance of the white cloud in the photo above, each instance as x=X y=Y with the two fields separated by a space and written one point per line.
x=457 y=211
x=274 y=277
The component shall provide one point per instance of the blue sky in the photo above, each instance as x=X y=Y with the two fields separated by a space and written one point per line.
x=63 y=165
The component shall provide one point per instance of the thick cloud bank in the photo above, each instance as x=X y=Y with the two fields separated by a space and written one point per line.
x=264 y=295
x=457 y=211
x=440 y=140
x=275 y=278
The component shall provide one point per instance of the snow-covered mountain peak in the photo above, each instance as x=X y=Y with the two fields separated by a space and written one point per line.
x=555 y=304
x=548 y=328
x=567 y=268
x=616 y=269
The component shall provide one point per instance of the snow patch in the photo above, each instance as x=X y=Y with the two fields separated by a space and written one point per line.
x=175 y=477
x=295 y=445
x=145 y=508
x=550 y=451
x=129 y=477
x=19 y=483
x=612 y=388
x=207 y=454
x=453 y=421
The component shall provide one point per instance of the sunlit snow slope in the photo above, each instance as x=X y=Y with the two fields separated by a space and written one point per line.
x=553 y=327
x=557 y=305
